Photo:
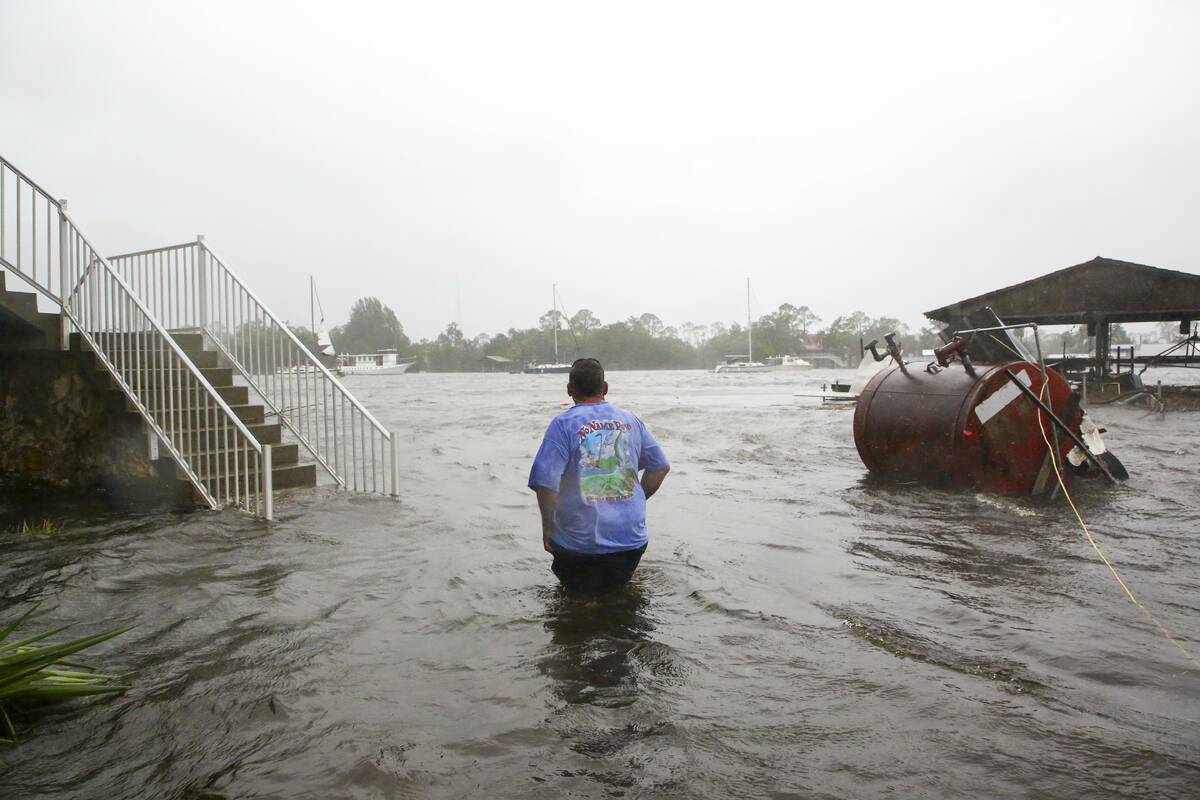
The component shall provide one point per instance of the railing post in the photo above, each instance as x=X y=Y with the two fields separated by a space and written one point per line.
x=395 y=441
x=64 y=255
x=268 y=494
x=202 y=277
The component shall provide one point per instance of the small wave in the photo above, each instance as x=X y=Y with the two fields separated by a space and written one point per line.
x=893 y=639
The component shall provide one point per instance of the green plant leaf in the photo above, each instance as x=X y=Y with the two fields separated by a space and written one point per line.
x=12 y=626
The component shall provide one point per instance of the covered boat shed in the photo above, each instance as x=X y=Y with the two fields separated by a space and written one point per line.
x=1095 y=293
x=496 y=364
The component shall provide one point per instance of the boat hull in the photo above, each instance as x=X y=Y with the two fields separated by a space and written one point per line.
x=734 y=369
x=553 y=370
x=391 y=369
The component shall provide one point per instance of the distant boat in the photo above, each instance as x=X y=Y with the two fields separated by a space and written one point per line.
x=557 y=367
x=744 y=363
x=326 y=353
x=384 y=362
x=739 y=363
x=546 y=369
x=789 y=362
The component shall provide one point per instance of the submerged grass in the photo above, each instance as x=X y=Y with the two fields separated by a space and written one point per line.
x=33 y=669
x=45 y=527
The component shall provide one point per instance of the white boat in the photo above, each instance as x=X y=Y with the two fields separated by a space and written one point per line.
x=385 y=362
x=746 y=363
x=742 y=364
x=546 y=369
x=326 y=353
x=789 y=362
x=556 y=368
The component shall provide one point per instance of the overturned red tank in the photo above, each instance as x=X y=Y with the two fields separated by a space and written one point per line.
x=967 y=425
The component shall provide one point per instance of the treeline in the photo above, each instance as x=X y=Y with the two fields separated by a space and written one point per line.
x=641 y=342
x=644 y=341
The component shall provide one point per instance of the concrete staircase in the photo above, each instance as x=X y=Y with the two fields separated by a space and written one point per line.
x=22 y=326
x=180 y=314
x=206 y=435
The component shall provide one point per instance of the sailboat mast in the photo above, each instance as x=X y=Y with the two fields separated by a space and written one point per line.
x=554 y=313
x=312 y=316
x=749 y=329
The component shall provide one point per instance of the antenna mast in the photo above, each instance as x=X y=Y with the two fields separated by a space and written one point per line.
x=749 y=329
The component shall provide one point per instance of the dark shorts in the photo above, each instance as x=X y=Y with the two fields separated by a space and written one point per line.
x=585 y=572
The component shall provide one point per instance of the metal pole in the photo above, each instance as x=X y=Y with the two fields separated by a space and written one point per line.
x=64 y=249
x=268 y=496
x=395 y=442
x=749 y=327
x=202 y=271
x=1060 y=424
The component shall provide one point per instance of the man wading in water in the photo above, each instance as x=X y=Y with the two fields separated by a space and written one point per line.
x=586 y=477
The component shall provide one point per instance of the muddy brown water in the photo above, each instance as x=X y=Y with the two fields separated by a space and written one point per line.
x=794 y=630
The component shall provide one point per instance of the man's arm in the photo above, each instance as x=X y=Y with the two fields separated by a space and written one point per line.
x=547 y=504
x=651 y=480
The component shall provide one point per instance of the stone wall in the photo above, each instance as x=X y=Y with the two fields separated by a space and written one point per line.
x=61 y=424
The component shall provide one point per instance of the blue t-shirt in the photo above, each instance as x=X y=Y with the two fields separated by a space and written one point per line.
x=591 y=456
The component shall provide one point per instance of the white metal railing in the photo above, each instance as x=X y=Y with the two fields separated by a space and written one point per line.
x=191 y=288
x=210 y=445
x=29 y=240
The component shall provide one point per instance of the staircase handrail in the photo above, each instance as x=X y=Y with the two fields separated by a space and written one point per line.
x=312 y=443
x=72 y=312
x=283 y=326
x=36 y=193
x=134 y=348
x=296 y=341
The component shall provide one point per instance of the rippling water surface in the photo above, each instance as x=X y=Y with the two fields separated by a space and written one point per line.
x=793 y=631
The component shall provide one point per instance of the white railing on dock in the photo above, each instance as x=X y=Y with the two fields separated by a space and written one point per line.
x=191 y=288
x=211 y=446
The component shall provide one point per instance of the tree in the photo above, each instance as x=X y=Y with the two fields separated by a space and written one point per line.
x=1118 y=335
x=551 y=319
x=651 y=324
x=306 y=337
x=1168 y=332
x=372 y=326
x=693 y=334
x=805 y=318
x=584 y=321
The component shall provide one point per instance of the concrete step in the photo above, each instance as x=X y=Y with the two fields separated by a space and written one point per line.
x=147 y=347
x=264 y=433
x=216 y=376
x=23 y=304
x=284 y=455
x=249 y=414
x=232 y=395
x=188 y=341
x=290 y=477
x=22 y=326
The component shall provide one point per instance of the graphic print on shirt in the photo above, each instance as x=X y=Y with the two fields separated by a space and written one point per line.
x=606 y=467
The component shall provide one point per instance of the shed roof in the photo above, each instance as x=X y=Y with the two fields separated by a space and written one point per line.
x=1103 y=289
x=498 y=359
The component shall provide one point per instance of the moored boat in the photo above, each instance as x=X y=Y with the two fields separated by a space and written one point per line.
x=384 y=362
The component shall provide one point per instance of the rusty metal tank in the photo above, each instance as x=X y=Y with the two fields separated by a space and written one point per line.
x=955 y=428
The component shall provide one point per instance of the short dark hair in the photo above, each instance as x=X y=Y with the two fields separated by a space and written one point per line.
x=587 y=375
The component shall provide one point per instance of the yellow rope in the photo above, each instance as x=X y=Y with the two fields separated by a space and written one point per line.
x=1095 y=546
x=1058 y=474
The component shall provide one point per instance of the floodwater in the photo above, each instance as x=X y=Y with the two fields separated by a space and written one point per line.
x=793 y=631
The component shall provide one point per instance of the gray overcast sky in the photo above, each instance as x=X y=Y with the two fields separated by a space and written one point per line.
x=888 y=157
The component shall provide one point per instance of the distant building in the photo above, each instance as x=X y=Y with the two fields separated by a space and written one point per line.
x=497 y=364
